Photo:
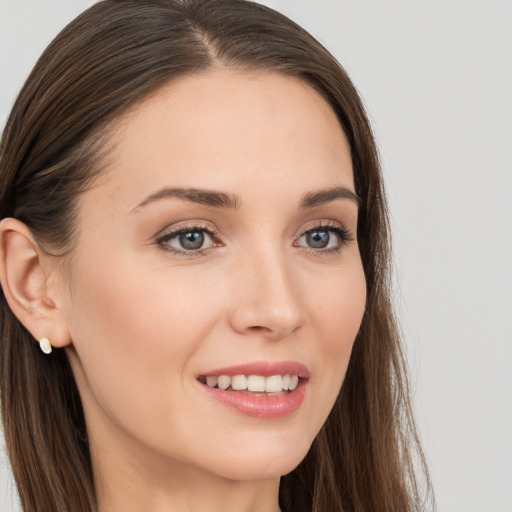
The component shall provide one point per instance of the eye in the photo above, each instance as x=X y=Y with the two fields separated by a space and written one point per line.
x=318 y=239
x=325 y=238
x=192 y=240
x=187 y=239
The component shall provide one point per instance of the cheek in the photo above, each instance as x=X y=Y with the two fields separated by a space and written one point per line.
x=337 y=313
x=338 y=308
x=134 y=333
x=136 y=308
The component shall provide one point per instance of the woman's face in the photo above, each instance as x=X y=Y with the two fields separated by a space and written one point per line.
x=220 y=241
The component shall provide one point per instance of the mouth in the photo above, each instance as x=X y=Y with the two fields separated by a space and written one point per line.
x=253 y=384
x=262 y=390
x=273 y=385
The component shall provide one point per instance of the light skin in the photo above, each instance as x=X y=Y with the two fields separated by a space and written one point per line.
x=142 y=316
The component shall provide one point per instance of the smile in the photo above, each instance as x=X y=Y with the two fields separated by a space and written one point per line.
x=261 y=390
x=253 y=383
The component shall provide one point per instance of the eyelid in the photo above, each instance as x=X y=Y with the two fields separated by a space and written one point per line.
x=173 y=231
x=344 y=235
x=193 y=225
x=322 y=223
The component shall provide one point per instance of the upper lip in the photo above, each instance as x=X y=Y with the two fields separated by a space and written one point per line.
x=264 y=368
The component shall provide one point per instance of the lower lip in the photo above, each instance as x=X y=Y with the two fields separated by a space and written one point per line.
x=260 y=406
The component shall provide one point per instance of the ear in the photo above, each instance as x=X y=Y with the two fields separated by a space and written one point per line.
x=25 y=272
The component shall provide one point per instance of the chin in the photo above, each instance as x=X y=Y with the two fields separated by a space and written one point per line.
x=264 y=462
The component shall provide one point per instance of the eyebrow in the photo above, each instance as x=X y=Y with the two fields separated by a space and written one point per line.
x=324 y=196
x=222 y=200
x=194 y=195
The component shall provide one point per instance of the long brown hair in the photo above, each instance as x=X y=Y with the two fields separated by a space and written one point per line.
x=367 y=456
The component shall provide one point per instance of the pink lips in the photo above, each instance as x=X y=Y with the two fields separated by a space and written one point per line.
x=264 y=368
x=260 y=405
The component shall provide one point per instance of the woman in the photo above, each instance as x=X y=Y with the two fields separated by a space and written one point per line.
x=194 y=265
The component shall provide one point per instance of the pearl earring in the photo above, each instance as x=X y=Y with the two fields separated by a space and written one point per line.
x=46 y=345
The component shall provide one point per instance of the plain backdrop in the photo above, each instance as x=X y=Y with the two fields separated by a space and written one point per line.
x=436 y=77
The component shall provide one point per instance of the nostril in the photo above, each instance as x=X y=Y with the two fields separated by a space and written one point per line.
x=259 y=328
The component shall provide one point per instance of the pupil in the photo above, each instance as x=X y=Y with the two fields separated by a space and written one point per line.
x=318 y=239
x=192 y=240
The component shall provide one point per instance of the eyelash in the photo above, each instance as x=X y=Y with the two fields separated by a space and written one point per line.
x=342 y=234
x=192 y=228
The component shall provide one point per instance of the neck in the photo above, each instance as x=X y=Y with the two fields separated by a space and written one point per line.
x=188 y=496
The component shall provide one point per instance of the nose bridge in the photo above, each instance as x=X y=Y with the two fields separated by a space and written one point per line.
x=269 y=301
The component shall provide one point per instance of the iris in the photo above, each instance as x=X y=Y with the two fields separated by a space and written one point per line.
x=318 y=239
x=192 y=240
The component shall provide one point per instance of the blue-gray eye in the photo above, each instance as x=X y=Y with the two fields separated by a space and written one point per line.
x=191 y=240
x=318 y=238
x=187 y=240
x=324 y=238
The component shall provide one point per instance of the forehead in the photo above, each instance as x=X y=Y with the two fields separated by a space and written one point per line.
x=227 y=129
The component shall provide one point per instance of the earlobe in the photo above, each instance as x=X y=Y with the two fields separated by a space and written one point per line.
x=24 y=281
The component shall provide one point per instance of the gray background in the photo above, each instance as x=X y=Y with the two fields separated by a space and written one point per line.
x=436 y=77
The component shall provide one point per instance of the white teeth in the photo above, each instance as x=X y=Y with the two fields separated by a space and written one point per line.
x=274 y=384
x=256 y=383
x=294 y=380
x=224 y=381
x=239 y=382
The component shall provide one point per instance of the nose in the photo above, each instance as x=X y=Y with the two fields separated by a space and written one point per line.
x=267 y=301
